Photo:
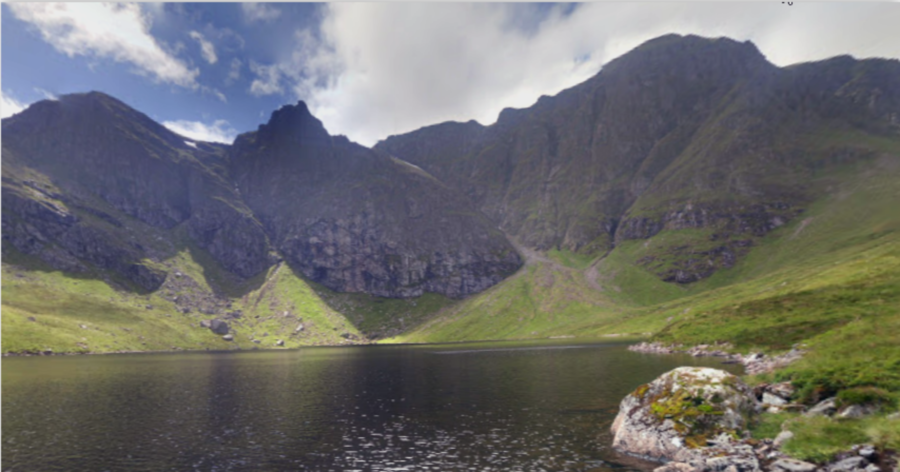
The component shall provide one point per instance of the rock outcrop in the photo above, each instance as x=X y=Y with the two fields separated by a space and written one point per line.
x=681 y=409
x=754 y=362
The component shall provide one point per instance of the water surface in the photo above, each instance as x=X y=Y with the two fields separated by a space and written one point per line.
x=508 y=406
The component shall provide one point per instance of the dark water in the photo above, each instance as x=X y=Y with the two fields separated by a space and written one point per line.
x=514 y=406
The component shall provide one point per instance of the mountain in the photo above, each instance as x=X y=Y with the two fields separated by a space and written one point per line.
x=348 y=217
x=357 y=220
x=682 y=133
x=73 y=168
x=690 y=190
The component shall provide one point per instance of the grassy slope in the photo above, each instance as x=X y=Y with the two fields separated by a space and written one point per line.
x=117 y=319
x=543 y=299
x=830 y=279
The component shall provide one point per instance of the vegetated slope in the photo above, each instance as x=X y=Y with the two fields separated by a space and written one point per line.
x=773 y=221
x=71 y=165
x=95 y=191
x=680 y=133
x=829 y=281
x=45 y=309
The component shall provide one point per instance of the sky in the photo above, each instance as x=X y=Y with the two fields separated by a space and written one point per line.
x=210 y=71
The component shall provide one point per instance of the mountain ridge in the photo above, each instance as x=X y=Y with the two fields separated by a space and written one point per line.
x=116 y=156
x=656 y=180
x=623 y=156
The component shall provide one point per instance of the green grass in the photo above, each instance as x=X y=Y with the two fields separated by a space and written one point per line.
x=768 y=426
x=112 y=321
x=379 y=317
x=819 y=439
x=571 y=259
x=117 y=319
x=541 y=300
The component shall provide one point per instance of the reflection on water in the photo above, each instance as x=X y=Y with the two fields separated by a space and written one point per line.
x=512 y=406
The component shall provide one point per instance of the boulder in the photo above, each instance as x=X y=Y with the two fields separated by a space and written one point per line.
x=824 y=408
x=850 y=464
x=792 y=465
x=858 y=411
x=724 y=455
x=204 y=323
x=279 y=343
x=782 y=389
x=868 y=452
x=771 y=399
x=228 y=337
x=676 y=467
x=683 y=407
x=782 y=438
x=218 y=326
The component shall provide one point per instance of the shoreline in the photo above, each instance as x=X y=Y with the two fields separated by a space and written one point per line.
x=754 y=362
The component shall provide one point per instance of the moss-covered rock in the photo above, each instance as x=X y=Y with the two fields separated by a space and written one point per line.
x=681 y=409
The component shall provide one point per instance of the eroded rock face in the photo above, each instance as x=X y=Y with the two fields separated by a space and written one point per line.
x=91 y=183
x=682 y=409
x=357 y=220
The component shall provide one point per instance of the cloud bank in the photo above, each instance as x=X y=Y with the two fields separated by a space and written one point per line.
x=261 y=12
x=220 y=131
x=10 y=106
x=375 y=69
x=120 y=32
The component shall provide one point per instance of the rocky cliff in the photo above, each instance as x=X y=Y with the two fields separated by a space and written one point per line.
x=682 y=133
x=358 y=220
x=91 y=185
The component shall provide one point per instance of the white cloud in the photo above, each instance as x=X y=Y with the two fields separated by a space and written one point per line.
x=220 y=131
x=206 y=48
x=215 y=93
x=268 y=81
x=260 y=12
x=10 y=106
x=117 y=31
x=235 y=72
x=375 y=69
x=47 y=95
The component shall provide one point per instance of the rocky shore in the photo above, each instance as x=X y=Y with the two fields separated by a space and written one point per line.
x=754 y=363
x=695 y=419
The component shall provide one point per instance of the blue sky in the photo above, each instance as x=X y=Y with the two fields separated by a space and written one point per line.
x=210 y=71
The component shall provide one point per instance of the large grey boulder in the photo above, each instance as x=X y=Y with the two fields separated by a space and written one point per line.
x=682 y=409
x=824 y=408
x=218 y=326
x=792 y=465
x=850 y=464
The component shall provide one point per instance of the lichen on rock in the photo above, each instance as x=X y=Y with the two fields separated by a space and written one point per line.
x=681 y=409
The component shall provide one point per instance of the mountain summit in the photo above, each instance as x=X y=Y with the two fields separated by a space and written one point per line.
x=680 y=133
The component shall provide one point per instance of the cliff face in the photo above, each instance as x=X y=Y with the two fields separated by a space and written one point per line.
x=355 y=219
x=680 y=133
x=78 y=171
